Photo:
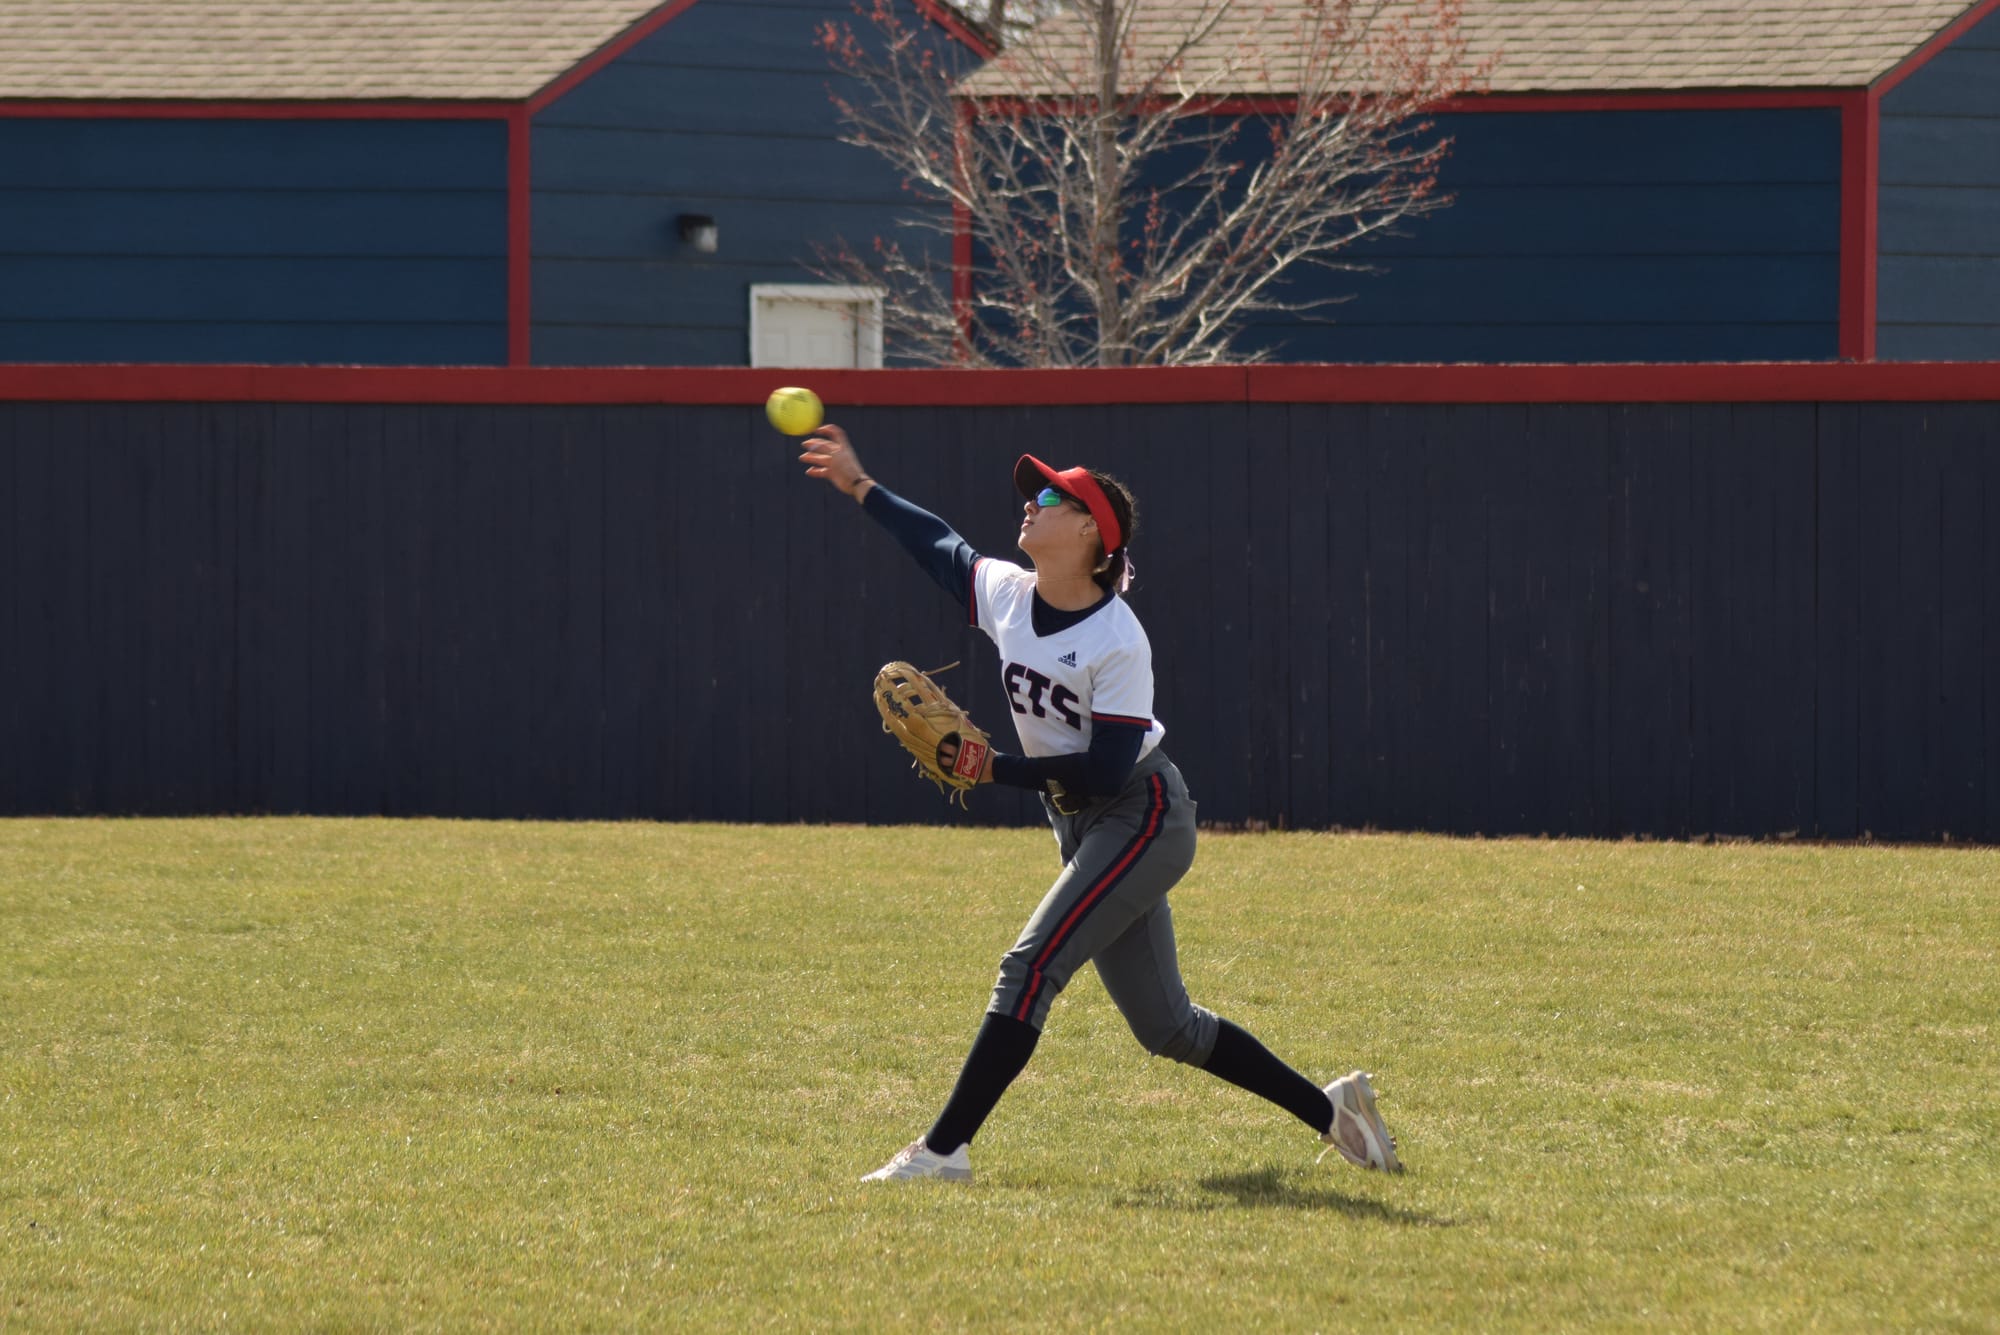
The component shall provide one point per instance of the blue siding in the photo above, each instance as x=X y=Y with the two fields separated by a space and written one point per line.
x=253 y=154
x=1501 y=342
x=1602 y=236
x=403 y=223
x=348 y=343
x=1938 y=265
x=725 y=112
x=254 y=241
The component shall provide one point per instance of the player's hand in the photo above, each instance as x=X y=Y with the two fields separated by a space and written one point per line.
x=948 y=756
x=827 y=454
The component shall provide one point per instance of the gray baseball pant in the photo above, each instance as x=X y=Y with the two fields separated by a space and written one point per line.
x=1109 y=906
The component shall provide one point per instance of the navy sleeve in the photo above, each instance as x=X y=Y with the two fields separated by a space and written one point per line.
x=1098 y=772
x=945 y=557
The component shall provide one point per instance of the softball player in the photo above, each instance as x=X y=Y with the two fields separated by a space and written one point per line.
x=1078 y=672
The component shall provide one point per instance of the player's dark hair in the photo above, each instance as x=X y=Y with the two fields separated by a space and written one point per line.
x=1111 y=575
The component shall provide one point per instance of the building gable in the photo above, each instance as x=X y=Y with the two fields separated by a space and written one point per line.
x=723 y=113
x=1938 y=293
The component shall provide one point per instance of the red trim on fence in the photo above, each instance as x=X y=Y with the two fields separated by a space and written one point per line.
x=1860 y=160
x=1754 y=382
x=241 y=109
x=1924 y=54
x=520 y=254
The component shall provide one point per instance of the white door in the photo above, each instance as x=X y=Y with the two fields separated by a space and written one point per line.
x=810 y=325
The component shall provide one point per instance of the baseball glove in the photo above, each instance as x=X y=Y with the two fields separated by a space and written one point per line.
x=948 y=748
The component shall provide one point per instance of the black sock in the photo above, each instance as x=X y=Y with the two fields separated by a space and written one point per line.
x=1241 y=1060
x=998 y=1055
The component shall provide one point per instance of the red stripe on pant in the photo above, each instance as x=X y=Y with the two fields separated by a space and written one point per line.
x=1148 y=831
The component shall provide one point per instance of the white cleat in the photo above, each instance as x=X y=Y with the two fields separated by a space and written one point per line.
x=1358 y=1133
x=916 y=1160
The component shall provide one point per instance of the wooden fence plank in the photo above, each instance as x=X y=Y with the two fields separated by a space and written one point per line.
x=1309 y=580
x=1959 y=763
x=1648 y=620
x=1837 y=623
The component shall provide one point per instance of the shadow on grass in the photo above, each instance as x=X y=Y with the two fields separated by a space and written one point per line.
x=1274 y=1188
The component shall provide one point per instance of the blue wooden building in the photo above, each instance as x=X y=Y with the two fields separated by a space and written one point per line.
x=428 y=182
x=491 y=182
x=1736 y=180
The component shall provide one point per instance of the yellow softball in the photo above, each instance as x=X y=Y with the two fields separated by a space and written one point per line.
x=794 y=411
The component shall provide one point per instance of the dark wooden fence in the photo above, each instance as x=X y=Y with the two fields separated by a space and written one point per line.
x=1665 y=619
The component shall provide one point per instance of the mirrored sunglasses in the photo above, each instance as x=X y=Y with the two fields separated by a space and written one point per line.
x=1049 y=498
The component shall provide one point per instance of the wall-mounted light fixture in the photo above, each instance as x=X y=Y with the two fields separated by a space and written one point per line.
x=697 y=231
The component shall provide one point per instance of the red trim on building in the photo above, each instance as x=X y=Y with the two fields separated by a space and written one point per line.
x=520 y=252
x=1860 y=166
x=1924 y=54
x=1746 y=99
x=1871 y=234
x=667 y=13
x=1715 y=99
x=954 y=23
x=1752 y=382
x=607 y=53
x=239 y=109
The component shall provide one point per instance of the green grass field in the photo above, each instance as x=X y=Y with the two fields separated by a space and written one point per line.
x=282 y=1073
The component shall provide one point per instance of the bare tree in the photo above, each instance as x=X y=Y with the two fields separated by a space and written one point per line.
x=1130 y=183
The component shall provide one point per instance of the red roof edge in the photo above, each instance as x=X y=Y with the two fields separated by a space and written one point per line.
x=1924 y=54
x=956 y=24
x=1715 y=99
x=610 y=51
x=141 y=108
x=935 y=10
x=1693 y=99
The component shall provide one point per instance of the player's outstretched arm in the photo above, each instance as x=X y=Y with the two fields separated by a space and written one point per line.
x=933 y=544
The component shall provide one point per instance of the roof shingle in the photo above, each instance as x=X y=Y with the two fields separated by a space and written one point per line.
x=509 y=49
x=307 y=49
x=1562 y=46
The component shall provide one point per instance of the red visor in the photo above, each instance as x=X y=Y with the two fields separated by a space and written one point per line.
x=1031 y=475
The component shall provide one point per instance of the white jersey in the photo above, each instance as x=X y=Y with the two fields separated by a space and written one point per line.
x=1099 y=670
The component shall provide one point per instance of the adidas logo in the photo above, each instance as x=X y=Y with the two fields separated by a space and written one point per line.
x=1068 y=659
